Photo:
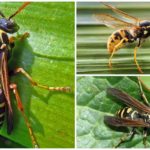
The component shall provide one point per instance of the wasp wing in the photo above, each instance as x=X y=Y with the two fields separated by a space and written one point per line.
x=5 y=86
x=128 y=100
x=132 y=19
x=122 y=122
x=112 y=22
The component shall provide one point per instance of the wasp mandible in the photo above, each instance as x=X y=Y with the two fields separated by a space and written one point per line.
x=7 y=25
x=133 y=30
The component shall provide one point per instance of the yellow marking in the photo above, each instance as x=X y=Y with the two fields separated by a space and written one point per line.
x=113 y=37
x=129 y=110
x=122 y=112
x=145 y=32
x=116 y=44
x=132 y=114
x=1 y=31
x=2 y=105
x=122 y=33
x=116 y=47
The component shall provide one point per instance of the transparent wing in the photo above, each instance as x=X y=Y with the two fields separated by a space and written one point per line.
x=132 y=19
x=112 y=22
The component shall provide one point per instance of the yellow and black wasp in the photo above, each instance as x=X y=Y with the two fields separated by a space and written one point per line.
x=8 y=26
x=132 y=30
x=135 y=115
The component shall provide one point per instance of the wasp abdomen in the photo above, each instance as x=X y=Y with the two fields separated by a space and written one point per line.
x=128 y=113
x=115 y=40
x=2 y=107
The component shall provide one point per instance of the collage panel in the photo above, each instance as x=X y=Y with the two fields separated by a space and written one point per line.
x=112 y=38
x=113 y=112
x=74 y=74
x=37 y=63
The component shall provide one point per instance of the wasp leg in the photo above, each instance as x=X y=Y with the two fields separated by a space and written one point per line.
x=125 y=136
x=12 y=41
x=34 y=83
x=21 y=109
x=137 y=64
x=3 y=46
x=142 y=92
x=115 y=49
x=145 y=137
x=20 y=37
x=24 y=36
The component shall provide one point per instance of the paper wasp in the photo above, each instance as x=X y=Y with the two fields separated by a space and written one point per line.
x=129 y=31
x=8 y=26
x=134 y=115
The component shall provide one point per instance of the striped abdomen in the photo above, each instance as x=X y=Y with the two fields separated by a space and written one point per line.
x=116 y=37
x=128 y=113
x=2 y=107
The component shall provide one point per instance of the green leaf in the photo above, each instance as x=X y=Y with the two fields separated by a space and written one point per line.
x=7 y=143
x=48 y=56
x=92 y=37
x=94 y=103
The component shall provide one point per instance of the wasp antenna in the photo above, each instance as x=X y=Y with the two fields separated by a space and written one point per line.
x=2 y=14
x=20 y=9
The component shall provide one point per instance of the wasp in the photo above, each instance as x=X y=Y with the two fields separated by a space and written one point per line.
x=7 y=43
x=130 y=30
x=134 y=115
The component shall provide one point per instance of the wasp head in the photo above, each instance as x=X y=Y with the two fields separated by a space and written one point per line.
x=145 y=26
x=145 y=23
x=8 y=25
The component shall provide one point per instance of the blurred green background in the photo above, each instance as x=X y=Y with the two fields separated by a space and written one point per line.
x=48 y=56
x=92 y=36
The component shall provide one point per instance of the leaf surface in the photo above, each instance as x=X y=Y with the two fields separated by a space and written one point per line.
x=93 y=103
x=48 y=56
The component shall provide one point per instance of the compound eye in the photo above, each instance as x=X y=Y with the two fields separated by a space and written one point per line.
x=9 y=24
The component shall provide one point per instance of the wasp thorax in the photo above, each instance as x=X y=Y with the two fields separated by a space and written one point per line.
x=8 y=26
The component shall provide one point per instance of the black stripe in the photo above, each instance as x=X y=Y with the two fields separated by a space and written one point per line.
x=117 y=36
x=2 y=100
x=129 y=36
x=125 y=111
x=5 y=38
x=2 y=110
